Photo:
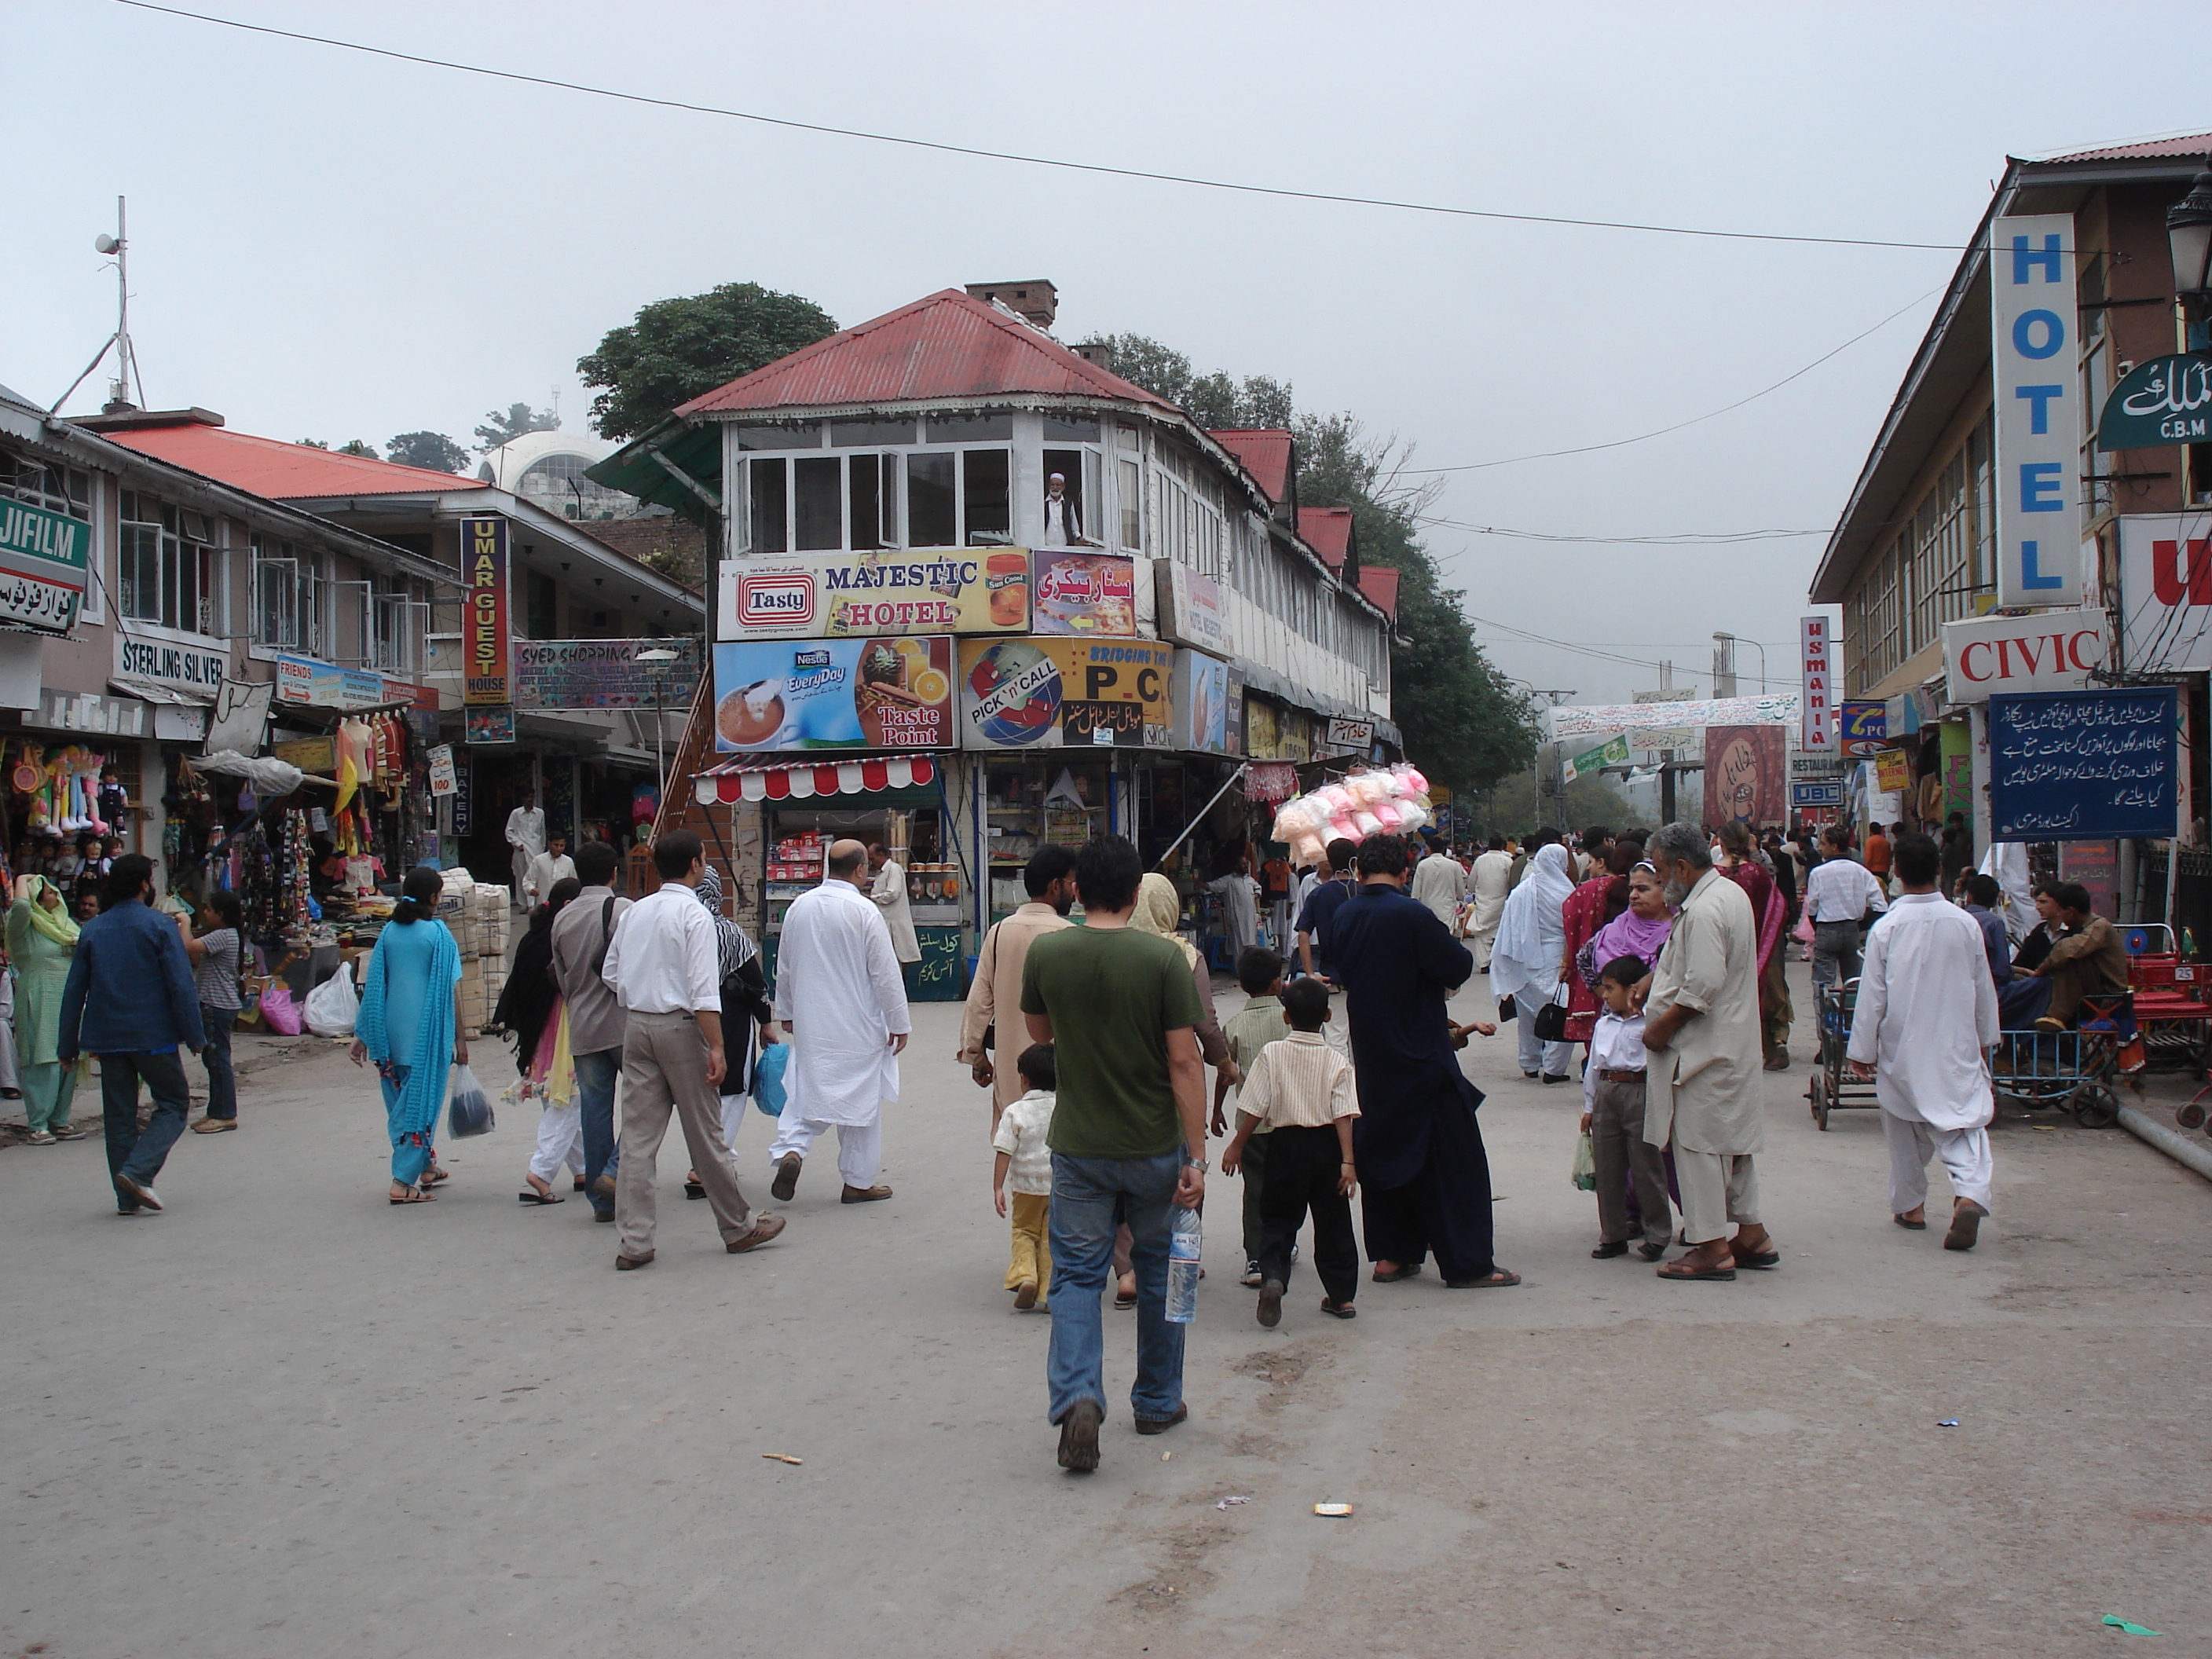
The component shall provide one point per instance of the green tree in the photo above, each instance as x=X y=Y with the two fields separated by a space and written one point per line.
x=358 y=447
x=1514 y=806
x=433 y=450
x=312 y=443
x=504 y=427
x=678 y=349
x=1217 y=402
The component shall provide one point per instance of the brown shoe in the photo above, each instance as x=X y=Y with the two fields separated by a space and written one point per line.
x=786 y=1178
x=764 y=1228
x=1025 y=1294
x=1078 y=1436
x=864 y=1194
x=626 y=1264
x=214 y=1126
x=1966 y=1226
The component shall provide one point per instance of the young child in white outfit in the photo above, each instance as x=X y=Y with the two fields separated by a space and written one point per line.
x=1025 y=1159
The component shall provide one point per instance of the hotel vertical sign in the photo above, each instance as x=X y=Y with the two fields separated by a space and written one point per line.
x=487 y=668
x=2039 y=410
x=1817 y=735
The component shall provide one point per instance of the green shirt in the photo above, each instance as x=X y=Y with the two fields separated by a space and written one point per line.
x=1113 y=995
x=1259 y=1024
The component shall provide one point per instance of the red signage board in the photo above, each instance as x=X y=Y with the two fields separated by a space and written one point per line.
x=488 y=669
x=1746 y=776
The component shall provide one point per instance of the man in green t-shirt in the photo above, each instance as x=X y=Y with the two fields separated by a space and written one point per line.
x=1120 y=1008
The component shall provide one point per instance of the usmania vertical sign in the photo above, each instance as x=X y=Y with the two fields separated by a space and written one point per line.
x=2039 y=410
x=1818 y=736
x=488 y=667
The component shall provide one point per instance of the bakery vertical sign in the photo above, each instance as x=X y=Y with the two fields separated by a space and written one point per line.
x=2039 y=410
x=488 y=667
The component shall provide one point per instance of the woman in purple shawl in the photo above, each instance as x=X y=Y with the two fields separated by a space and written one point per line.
x=1639 y=931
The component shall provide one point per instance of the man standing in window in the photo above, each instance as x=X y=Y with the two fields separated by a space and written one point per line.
x=1120 y=1009
x=1063 y=519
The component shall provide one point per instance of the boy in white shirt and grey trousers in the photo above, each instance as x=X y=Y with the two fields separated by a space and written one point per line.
x=1612 y=1115
x=1019 y=1140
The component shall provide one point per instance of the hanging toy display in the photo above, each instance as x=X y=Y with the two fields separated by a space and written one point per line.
x=1379 y=801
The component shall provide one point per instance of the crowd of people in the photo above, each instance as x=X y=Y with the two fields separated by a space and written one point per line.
x=1659 y=956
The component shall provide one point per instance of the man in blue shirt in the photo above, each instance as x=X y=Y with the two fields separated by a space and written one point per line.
x=130 y=1000
x=1982 y=895
x=1321 y=905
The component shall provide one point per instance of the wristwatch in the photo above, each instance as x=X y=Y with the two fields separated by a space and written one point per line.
x=1197 y=1164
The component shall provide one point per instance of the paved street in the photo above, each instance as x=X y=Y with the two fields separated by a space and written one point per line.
x=287 y=1419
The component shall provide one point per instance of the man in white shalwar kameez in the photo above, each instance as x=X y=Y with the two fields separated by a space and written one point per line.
x=1443 y=885
x=841 y=1000
x=1924 y=1023
x=1493 y=879
x=526 y=838
x=888 y=890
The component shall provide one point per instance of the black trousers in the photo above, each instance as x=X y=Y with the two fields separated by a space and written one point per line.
x=1445 y=1208
x=1303 y=1167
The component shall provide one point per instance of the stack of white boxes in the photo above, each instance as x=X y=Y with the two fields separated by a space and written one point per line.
x=476 y=917
x=491 y=920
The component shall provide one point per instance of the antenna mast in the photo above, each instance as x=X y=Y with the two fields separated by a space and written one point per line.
x=126 y=362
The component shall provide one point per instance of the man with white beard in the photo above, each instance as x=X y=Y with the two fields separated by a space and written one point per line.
x=1924 y=1023
x=1442 y=884
x=1705 y=1073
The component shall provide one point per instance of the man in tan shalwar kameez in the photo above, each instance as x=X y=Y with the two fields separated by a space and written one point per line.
x=994 y=999
x=1702 y=1030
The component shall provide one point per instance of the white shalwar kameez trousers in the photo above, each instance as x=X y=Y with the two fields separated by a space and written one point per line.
x=839 y=993
x=1926 y=1018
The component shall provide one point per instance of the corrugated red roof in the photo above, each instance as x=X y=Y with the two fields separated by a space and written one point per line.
x=1380 y=584
x=1328 y=531
x=2186 y=144
x=1263 y=451
x=279 y=471
x=947 y=345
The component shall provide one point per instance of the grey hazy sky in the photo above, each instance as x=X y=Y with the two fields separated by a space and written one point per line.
x=330 y=246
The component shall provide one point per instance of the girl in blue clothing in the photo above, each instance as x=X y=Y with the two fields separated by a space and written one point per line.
x=409 y=1020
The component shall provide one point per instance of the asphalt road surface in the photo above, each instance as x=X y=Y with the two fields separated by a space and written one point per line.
x=285 y=1418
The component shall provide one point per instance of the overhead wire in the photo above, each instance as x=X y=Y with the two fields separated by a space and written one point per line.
x=979 y=153
x=1683 y=538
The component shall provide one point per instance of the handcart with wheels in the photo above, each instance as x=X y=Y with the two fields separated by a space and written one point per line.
x=2074 y=1070
x=1832 y=1087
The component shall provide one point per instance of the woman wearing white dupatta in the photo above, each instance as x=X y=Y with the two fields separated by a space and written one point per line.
x=1525 y=964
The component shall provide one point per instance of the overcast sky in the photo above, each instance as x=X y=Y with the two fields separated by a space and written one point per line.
x=332 y=246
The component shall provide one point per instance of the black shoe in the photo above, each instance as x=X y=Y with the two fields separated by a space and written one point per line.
x=1649 y=1251
x=603 y=1215
x=1161 y=1425
x=786 y=1182
x=1270 y=1304
x=1606 y=1252
x=1407 y=1271
x=1078 y=1436
x=1556 y=1076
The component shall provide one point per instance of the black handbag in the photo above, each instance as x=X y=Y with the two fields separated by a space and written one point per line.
x=1505 y=1009
x=1552 y=1023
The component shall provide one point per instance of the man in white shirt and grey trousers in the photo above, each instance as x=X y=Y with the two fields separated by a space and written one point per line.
x=664 y=967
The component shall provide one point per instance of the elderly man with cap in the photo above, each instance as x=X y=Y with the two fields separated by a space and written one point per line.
x=1063 y=518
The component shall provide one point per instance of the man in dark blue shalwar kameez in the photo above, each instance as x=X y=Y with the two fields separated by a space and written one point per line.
x=1424 y=1176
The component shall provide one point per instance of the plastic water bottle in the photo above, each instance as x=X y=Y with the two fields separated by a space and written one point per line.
x=1182 y=1265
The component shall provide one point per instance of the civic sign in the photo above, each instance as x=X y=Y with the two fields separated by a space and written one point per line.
x=2084 y=765
x=2166 y=591
x=2038 y=409
x=1818 y=731
x=486 y=669
x=2048 y=651
x=42 y=563
x=2167 y=400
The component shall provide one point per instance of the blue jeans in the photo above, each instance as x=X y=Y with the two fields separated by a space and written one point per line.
x=140 y=1153
x=222 y=1078
x=1090 y=1196
x=595 y=1094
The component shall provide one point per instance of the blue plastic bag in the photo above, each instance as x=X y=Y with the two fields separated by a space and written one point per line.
x=768 y=1079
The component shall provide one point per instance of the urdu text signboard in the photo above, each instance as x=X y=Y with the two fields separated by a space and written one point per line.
x=2084 y=765
x=964 y=589
x=1063 y=693
x=604 y=673
x=43 y=557
x=1192 y=609
x=2167 y=400
x=487 y=663
x=2038 y=409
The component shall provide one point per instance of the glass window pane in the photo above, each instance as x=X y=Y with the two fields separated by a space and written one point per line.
x=932 y=515
x=987 y=494
x=820 y=521
x=866 y=514
x=1133 y=499
x=890 y=471
x=780 y=434
x=1060 y=430
x=968 y=428
x=869 y=434
x=767 y=481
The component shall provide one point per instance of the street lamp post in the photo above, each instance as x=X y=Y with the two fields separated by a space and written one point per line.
x=660 y=657
x=2189 y=241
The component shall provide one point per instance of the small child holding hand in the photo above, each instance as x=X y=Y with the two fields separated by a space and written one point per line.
x=1022 y=1154
x=1613 y=1116
x=1303 y=1091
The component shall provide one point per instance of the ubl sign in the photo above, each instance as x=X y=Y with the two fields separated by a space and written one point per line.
x=2051 y=651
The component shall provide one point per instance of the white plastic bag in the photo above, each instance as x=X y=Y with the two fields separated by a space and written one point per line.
x=333 y=1007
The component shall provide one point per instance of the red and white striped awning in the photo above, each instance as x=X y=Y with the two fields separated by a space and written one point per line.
x=736 y=781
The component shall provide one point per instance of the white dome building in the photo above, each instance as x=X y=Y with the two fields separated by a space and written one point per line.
x=547 y=470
